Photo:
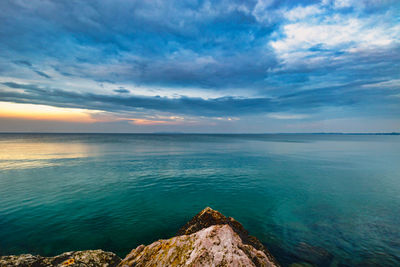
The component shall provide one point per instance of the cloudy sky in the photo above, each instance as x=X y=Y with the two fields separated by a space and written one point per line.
x=200 y=66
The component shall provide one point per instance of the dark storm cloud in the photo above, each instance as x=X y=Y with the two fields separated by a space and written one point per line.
x=30 y=66
x=41 y=73
x=218 y=46
x=306 y=101
x=23 y=63
x=121 y=90
x=168 y=43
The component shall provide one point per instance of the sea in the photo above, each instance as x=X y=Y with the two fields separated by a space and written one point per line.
x=320 y=199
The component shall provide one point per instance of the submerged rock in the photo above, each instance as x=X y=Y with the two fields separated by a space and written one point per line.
x=313 y=254
x=87 y=258
x=209 y=239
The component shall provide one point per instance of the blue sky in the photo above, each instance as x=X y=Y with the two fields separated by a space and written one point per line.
x=200 y=66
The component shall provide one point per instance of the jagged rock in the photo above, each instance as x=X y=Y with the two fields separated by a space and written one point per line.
x=217 y=245
x=208 y=217
x=208 y=239
x=87 y=258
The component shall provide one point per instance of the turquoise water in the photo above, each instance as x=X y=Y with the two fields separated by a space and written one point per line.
x=330 y=200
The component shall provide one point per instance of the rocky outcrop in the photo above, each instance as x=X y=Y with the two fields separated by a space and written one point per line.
x=208 y=217
x=208 y=239
x=217 y=245
x=87 y=258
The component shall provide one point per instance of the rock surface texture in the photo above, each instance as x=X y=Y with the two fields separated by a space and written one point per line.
x=209 y=217
x=87 y=258
x=208 y=239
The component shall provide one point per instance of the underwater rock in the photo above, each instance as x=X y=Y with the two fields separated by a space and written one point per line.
x=301 y=264
x=313 y=254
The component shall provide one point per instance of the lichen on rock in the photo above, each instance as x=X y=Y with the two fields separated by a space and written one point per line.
x=86 y=258
x=217 y=245
x=208 y=239
x=208 y=217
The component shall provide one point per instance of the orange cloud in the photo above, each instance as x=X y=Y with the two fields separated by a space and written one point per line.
x=43 y=112
x=150 y=122
x=49 y=113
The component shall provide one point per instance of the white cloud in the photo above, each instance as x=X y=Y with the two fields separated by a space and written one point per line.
x=205 y=60
x=301 y=12
x=395 y=83
x=342 y=3
x=335 y=32
x=359 y=4
x=260 y=9
x=351 y=32
x=287 y=116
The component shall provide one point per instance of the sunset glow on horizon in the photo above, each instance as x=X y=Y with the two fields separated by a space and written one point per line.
x=48 y=113
x=44 y=112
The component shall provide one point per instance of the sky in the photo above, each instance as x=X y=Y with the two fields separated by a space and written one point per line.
x=260 y=66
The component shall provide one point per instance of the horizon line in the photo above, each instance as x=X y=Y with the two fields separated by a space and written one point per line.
x=217 y=133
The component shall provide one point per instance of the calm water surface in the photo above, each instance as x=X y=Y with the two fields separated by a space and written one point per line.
x=330 y=200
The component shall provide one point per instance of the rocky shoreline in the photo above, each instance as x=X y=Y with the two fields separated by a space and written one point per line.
x=208 y=239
